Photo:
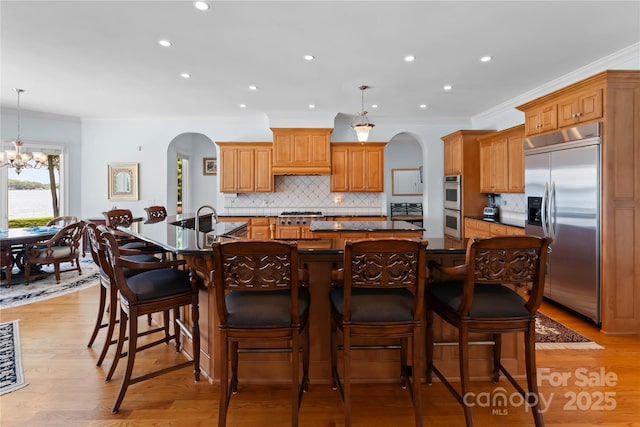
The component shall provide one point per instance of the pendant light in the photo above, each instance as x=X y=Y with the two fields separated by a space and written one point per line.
x=363 y=126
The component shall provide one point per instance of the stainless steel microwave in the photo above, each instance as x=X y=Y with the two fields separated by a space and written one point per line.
x=453 y=192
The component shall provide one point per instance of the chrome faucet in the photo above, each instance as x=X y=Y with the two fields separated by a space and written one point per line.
x=214 y=216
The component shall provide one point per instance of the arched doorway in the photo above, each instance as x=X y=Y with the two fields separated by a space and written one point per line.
x=188 y=187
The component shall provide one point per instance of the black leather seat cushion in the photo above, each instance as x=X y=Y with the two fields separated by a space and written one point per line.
x=489 y=300
x=159 y=283
x=375 y=305
x=263 y=308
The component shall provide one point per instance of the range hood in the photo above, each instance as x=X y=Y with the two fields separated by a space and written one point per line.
x=301 y=151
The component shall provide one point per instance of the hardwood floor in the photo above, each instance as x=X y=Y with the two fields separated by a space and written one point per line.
x=67 y=389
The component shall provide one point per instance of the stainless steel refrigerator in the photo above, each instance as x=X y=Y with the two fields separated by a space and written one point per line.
x=562 y=187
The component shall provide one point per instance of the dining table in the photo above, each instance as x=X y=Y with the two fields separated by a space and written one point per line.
x=18 y=238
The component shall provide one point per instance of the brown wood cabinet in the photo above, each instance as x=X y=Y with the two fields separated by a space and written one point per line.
x=541 y=119
x=262 y=227
x=304 y=151
x=582 y=107
x=357 y=167
x=463 y=159
x=245 y=167
x=502 y=161
x=477 y=228
x=620 y=185
x=453 y=154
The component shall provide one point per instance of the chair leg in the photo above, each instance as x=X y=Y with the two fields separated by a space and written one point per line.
x=463 y=344
x=497 y=351
x=234 y=367
x=429 y=347
x=346 y=356
x=295 y=377
x=176 y=326
x=305 y=360
x=131 y=357
x=224 y=380
x=195 y=330
x=335 y=379
x=404 y=349
x=101 y=306
x=56 y=270
x=417 y=370
x=532 y=382
x=111 y=325
x=122 y=336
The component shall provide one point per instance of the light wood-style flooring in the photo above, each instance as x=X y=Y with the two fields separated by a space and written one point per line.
x=67 y=389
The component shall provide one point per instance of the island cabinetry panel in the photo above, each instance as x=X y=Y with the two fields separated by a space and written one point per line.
x=357 y=167
x=301 y=151
x=502 y=161
x=620 y=191
x=245 y=167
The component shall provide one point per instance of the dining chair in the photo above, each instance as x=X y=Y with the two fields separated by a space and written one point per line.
x=155 y=213
x=109 y=290
x=379 y=293
x=162 y=286
x=62 y=221
x=6 y=263
x=64 y=246
x=479 y=297
x=260 y=297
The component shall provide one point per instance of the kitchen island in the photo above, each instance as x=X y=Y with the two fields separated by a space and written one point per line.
x=319 y=255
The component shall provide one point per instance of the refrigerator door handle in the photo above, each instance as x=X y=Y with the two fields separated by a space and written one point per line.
x=552 y=203
x=543 y=210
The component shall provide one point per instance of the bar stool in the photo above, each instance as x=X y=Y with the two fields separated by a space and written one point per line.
x=259 y=298
x=381 y=296
x=477 y=298
x=162 y=287
x=109 y=288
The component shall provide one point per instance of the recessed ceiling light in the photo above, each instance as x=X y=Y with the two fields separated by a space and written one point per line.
x=164 y=43
x=185 y=75
x=309 y=57
x=312 y=106
x=447 y=87
x=201 y=5
x=486 y=58
x=374 y=105
x=243 y=105
x=409 y=58
x=423 y=106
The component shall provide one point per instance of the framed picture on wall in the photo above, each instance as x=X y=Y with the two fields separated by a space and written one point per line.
x=123 y=181
x=209 y=166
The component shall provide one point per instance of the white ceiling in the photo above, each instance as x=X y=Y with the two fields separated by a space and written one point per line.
x=100 y=59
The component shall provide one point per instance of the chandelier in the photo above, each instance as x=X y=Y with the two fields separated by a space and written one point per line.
x=16 y=158
x=362 y=127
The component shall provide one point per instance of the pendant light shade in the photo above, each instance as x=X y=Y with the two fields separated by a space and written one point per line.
x=362 y=126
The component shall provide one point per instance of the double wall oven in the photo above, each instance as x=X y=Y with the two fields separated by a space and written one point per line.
x=452 y=206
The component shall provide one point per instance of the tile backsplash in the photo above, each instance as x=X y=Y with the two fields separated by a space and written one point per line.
x=304 y=193
x=512 y=208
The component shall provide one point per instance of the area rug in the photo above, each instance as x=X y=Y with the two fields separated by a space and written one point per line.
x=553 y=335
x=38 y=290
x=11 y=374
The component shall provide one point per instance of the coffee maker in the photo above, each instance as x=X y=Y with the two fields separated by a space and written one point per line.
x=491 y=211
